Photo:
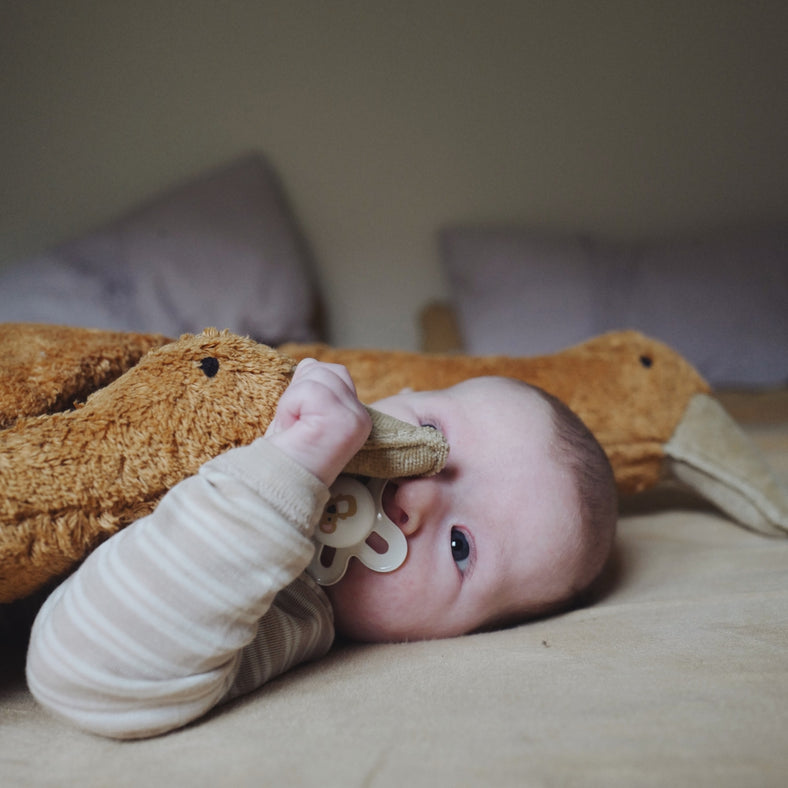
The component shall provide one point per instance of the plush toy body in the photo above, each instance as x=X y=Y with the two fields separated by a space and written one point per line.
x=70 y=478
x=630 y=390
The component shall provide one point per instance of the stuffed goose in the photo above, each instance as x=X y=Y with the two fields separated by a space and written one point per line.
x=95 y=426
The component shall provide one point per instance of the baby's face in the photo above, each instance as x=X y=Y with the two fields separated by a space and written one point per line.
x=492 y=535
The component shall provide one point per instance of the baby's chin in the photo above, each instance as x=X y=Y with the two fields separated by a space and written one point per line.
x=352 y=589
x=370 y=607
x=359 y=613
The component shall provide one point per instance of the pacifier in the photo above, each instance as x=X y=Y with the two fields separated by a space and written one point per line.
x=353 y=523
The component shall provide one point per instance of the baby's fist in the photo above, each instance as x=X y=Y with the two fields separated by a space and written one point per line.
x=319 y=421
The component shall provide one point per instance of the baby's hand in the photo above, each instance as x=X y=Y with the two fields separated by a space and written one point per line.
x=319 y=421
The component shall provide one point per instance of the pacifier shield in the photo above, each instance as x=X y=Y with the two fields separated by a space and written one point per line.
x=353 y=513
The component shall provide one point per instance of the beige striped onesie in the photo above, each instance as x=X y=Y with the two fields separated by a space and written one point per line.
x=201 y=601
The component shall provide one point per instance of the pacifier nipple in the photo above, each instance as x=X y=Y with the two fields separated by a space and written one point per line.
x=355 y=524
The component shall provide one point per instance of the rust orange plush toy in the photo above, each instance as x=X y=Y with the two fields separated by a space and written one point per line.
x=652 y=412
x=70 y=477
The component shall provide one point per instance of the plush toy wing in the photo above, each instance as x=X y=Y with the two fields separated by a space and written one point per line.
x=652 y=412
x=46 y=368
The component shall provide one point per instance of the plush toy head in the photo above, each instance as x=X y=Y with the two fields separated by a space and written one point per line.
x=71 y=479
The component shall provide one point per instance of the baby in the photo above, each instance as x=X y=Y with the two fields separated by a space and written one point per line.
x=207 y=598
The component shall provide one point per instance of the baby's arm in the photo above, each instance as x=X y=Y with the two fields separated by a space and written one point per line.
x=148 y=634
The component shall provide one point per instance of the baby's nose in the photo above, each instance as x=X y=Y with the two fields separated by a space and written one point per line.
x=406 y=503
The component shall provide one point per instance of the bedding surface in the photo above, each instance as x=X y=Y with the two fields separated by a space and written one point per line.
x=676 y=676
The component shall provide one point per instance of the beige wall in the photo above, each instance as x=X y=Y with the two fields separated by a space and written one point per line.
x=388 y=120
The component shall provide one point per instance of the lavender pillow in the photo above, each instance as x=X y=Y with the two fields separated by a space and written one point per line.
x=518 y=292
x=221 y=250
x=722 y=300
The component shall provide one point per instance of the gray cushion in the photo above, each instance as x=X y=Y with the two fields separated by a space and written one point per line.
x=221 y=250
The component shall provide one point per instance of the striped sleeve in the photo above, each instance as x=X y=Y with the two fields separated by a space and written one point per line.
x=169 y=616
x=298 y=627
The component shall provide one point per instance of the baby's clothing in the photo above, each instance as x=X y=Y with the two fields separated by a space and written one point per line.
x=201 y=601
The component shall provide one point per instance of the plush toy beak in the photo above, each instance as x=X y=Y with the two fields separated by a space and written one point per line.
x=395 y=449
x=711 y=454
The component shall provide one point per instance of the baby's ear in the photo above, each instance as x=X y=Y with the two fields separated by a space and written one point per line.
x=396 y=449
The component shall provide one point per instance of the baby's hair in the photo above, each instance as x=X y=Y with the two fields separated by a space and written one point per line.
x=580 y=452
x=577 y=450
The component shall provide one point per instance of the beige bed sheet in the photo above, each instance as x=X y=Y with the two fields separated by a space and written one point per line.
x=677 y=676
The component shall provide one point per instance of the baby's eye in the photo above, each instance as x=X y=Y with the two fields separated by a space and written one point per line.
x=460 y=549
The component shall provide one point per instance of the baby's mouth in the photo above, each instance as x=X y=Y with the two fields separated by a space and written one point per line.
x=394 y=512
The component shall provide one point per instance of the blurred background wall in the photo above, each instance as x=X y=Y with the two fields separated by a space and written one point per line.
x=389 y=120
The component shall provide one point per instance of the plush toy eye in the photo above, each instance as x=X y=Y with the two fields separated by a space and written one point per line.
x=646 y=361
x=210 y=366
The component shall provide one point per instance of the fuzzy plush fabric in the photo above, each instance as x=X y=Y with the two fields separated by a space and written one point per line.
x=71 y=479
